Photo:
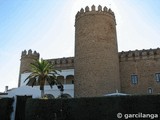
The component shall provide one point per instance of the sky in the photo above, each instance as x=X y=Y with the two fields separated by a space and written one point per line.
x=47 y=26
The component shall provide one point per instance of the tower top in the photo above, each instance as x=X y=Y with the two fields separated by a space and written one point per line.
x=93 y=10
x=29 y=53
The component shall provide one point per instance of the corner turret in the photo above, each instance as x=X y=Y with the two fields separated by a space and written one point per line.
x=29 y=54
x=26 y=59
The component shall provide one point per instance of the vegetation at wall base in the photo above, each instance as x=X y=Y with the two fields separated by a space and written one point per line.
x=96 y=108
x=6 y=108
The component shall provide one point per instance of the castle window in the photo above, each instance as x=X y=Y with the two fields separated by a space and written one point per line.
x=134 y=79
x=70 y=79
x=157 y=76
x=150 y=90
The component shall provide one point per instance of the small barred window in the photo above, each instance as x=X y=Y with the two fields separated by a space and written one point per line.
x=157 y=76
x=150 y=90
x=134 y=79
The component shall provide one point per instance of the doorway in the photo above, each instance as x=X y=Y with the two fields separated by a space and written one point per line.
x=20 y=107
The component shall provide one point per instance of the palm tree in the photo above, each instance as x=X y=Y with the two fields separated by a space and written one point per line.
x=43 y=71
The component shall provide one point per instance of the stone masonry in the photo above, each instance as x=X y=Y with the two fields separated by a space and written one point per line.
x=145 y=64
x=96 y=53
x=26 y=59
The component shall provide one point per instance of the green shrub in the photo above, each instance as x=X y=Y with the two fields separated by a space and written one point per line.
x=6 y=108
x=97 y=108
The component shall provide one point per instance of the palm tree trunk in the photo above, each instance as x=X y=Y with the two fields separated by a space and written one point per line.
x=42 y=93
x=42 y=87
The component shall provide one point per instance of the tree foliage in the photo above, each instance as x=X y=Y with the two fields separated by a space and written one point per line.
x=41 y=72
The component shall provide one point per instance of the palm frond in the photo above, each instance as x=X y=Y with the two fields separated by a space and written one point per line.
x=60 y=87
x=43 y=71
x=31 y=81
x=51 y=80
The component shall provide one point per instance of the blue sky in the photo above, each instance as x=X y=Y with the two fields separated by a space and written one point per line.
x=47 y=26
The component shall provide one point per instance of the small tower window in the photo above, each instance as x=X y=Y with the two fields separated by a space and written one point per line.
x=157 y=77
x=134 y=79
x=150 y=90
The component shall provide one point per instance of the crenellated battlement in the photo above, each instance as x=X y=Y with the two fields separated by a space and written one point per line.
x=63 y=63
x=139 y=54
x=123 y=56
x=29 y=53
x=100 y=10
x=59 y=61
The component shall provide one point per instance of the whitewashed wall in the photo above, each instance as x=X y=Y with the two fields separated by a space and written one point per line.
x=62 y=73
x=35 y=91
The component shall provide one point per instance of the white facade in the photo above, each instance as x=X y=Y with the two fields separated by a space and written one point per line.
x=35 y=93
x=63 y=73
x=68 y=88
x=35 y=90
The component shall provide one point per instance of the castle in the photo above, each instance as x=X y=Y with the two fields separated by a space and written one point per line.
x=98 y=68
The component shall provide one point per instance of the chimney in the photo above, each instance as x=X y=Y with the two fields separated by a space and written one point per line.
x=6 y=89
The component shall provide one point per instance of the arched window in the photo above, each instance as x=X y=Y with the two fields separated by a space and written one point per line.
x=70 y=79
x=60 y=79
x=48 y=96
x=65 y=95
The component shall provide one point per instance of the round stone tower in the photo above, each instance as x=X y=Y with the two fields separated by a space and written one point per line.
x=26 y=60
x=96 y=53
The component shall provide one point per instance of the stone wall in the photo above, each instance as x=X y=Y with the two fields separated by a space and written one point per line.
x=144 y=63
